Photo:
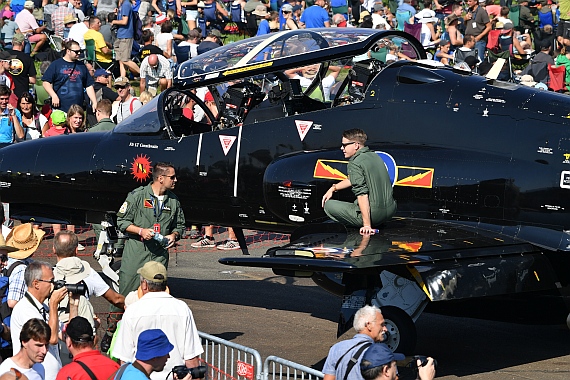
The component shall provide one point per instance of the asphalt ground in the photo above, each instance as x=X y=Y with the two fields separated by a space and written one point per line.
x=296 y=320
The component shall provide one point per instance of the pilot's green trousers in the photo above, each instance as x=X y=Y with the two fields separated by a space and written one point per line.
x=349 y=213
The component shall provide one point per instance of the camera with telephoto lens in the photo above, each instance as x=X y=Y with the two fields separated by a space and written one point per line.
x=197 y=372
x=77 y=289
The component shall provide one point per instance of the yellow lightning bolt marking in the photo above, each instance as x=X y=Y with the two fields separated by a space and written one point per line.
x=414 y=177
x=141 y=168
x=333 y=170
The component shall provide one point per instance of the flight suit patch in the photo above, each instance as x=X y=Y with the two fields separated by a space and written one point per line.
x=124 y=207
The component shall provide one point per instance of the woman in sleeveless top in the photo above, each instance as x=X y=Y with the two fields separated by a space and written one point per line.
x=32 y=121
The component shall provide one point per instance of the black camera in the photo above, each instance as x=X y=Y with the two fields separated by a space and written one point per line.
x=197 y=372
x=424 y=361
x=77 y=289
x=47 y=102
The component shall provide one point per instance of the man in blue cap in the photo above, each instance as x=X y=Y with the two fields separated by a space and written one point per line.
x=379 y=363
x=153 y=348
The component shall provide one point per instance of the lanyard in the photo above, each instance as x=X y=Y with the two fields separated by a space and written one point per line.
x=42 y=311
x=161 y=204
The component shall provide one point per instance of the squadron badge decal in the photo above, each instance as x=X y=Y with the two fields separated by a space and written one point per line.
x=140 y=169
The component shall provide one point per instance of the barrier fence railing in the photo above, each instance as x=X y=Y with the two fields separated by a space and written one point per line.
x=230 y=361
x=227 y=360
x=277 y=368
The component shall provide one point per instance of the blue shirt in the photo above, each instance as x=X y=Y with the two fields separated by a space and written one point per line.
x=126 y=31
x=70 y=91
x=133 y=373
x=263 y=28
x=407 y=7
x=314 y=17
x=340 y=349
x=7 y=127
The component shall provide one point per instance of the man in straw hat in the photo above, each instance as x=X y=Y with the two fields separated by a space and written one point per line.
x=21 y=244
x=157 y=309
x=39 y=279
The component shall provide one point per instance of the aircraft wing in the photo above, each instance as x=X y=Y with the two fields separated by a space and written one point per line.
x=329 y=247
x=448 y=260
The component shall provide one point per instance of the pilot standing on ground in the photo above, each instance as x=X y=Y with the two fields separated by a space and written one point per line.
x=368 y=177
x=148 y=211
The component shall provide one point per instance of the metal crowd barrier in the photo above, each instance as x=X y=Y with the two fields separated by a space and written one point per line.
x=277 y=368
x=230 y=361
x=227 y=360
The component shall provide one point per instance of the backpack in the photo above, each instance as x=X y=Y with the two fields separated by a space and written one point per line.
x=5 y=310
x=137 y=25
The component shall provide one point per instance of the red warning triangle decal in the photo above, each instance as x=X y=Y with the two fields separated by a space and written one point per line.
x=227 y=142
x=303 y=127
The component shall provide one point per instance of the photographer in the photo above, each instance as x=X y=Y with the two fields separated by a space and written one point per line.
x=72 y=271
x=87 y=360
x=65 y=247
x=379 y=363
x=39 y=280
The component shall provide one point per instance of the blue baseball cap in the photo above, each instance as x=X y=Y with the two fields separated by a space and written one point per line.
x=100 y=73
x=377 y=355
x=152 y=344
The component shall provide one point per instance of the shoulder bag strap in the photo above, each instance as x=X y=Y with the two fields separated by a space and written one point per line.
x=89 y=372
x=117 y=375
x=355 y=358
x=350 y=349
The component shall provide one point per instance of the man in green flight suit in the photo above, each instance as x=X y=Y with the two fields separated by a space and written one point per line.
x=148 y=211
x=370 y=182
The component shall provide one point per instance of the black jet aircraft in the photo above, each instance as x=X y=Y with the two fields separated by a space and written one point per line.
x=480 y=169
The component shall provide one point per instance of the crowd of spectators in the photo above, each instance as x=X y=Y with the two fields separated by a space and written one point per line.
x=47 y=320
x=143 y=41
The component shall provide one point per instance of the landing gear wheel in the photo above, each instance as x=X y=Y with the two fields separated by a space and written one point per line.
x=402 y=330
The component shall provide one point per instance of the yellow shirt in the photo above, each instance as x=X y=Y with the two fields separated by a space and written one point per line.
x=99 y=44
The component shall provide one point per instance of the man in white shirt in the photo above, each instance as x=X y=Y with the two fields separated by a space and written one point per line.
x=65 y=247
x=157 y=309
x=34 y=341
x=77 y=32
x=192 y=40
x=127 y=104
x=39 y=279
x=155 y=72
x=379 y=18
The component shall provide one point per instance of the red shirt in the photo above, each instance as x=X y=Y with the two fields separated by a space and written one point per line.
x=99 y=364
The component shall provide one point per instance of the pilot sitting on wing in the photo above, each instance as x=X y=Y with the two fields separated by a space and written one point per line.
x=307 y=74
x=370 y=182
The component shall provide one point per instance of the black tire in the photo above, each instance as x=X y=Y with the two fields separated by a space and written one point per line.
x=401 y=328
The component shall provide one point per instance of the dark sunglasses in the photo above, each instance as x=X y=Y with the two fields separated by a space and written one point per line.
x=172 y=177
x=75 y=51
x=344 y=145
x=120 y=87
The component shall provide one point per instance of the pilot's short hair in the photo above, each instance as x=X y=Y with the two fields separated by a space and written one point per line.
x=159 y=169
x=355 y=134
x=105 y=107
x=364 y=315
